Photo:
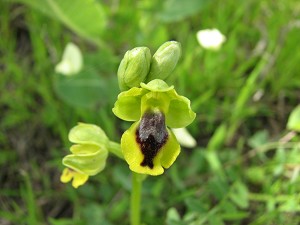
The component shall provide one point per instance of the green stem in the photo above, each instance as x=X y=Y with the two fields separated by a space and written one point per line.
x=136 y=190
x=115 y=148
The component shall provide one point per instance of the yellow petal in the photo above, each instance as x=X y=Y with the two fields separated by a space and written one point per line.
x=134 y=156
x=66 y=176
x=79 y=179
x=170 y=150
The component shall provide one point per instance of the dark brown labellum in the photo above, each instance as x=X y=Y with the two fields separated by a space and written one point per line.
x=151 y=135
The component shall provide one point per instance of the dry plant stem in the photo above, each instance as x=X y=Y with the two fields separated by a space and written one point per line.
x=135 y=204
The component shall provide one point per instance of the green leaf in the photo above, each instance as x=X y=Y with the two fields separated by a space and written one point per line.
x=218 y=138
x=290 y=205
x=215 y=220
x=172 y=216
x=94 y=214
x=41 y=6
x=258 y=139
x=294 y=120
x=175 y=10
x=256 y=174
x=84 y=17
x=61 y=221
x=85 y=89
x=213 y=160
x=218 y=187
x=238 y=215
x=239 y=195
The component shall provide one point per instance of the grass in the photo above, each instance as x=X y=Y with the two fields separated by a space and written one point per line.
x=244 y=168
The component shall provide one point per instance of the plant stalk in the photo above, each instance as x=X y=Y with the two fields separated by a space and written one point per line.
x=115 y=148
x=136 y=192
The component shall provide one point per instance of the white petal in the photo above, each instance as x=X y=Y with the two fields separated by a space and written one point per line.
x=64 y=68
x=210 y=38
x=71 y=61
x=184 y=137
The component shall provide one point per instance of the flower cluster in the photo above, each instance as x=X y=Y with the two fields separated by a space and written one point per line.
x=149 y=146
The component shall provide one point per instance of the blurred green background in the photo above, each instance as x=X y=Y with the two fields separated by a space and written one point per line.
x=245 y=167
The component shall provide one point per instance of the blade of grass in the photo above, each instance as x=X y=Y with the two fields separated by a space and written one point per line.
x=28 y=196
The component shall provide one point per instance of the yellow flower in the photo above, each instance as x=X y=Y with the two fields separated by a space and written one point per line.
x=78 y=178
x=149 y=145
x=89 y=154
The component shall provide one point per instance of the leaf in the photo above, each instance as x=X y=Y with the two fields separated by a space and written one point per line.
x=239 y=215
x=41 y=6
x=218 y=138
x=290 y=205
x=84 y=17
x=119 y=209
x=258 y=139
x=197 y=205
x=218 y=188
x=215 y=220
x=256 y=174
x=239 y=195
x=94 y=214
x=213 y=160
x=85 y=89
x=175 y=10
x=61 y=221
x=172 y=216
x=294 y=120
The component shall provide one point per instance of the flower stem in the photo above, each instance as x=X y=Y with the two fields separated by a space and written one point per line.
x=115 y=148
x=136 y=190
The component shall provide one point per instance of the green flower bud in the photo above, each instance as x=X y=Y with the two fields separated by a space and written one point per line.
x=134 y=68
x=89 y=154
x=164 y=60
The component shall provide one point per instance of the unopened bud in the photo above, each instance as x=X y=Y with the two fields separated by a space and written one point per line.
x=134 y=68
x=164 y=60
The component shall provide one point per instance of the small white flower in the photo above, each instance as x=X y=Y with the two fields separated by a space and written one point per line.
x=71 y=62
x=210 y=38
x=184 y=137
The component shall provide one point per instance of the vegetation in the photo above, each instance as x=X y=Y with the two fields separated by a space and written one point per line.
x=245 y=168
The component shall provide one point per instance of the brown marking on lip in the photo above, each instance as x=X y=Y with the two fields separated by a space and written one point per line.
x=151 y=135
